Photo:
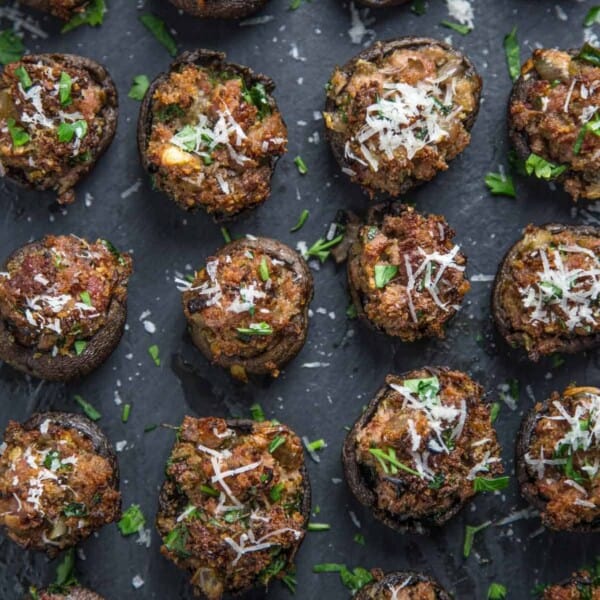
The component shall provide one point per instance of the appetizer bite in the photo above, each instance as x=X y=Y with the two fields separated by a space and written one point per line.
x=247 y=309
x=399 y=111
x=210 y=134
x=221 y=9
x=63 y=9
x=406 y=275
x=545 y=296
x=403 y=585
x=63 y=305
x=558 y=459
x=235 y=505
x=582 y=585
x=75 y=593
x=59 y=481
x=553 y=120
x=58 y=114
x=422 y=447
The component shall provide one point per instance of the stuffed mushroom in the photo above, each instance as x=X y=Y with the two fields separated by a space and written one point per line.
x=235 y=504
x=422 y=448
x=210 y=134
x=59 y=481
x=403 y=585
x=406 y=275
x=553 y=120
x=228 y=9
x=58 y=114
x=545 y=296
x=397 y=113
x=74 y=593
x=247 y=309
x=558 y=459
x=63 y=305
x=583 y=585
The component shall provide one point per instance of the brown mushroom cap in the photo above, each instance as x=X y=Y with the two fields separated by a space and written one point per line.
x=569 y=344
x=109 y=113
x=213 y=61
x=391 y=580
x=60 y=367
x=220 y=9
x=289 y=346
x=378 y=51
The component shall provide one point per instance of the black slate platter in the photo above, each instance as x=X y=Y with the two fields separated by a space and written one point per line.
x=316 y=402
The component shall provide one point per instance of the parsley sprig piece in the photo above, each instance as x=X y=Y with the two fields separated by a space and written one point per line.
x=500 y=184
x=92 y=15
x=67 y=131
x=65 y=574
x=496 y=591
x=11 y=47
x=23 y=76
x=542 y=169
x=389 y=462
x=470 y=532
x=384 y=274
x=87 y=408
x=257 y=413
x=139 y=87
x=132 y=520
x=513 y=54
x=458 y=27
x=18 y=135
x=321 y=248
x=354 y=580
x=590 y=54
x=154 y=353
x=484 y=484
x=159 y=30
x=65 y=83
x=257 y=96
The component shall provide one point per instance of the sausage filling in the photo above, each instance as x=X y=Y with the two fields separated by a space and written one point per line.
x=409 y=274
x=563 y=458
x=55 y=295
x=245 y=302
x=428 y=440
x=402 y=116
x=550 y=288
x=64 y=9
x=51 y=121
x=214 y=141
x=234 y=511
x=557 y=111
x=55 y=489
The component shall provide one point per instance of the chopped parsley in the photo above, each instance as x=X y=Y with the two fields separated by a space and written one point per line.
x=11 y=47
x=264 y=269
x=359 y=538
x=209 y=491
x=159 y=30
x=384 y=274
x=319 y=527
x=139 y=87
x=225 y=234
x=65 y=573
x=261 y=328
x=351 y=312
x=125 y=413
x=592 y=126
x=542 y=169
x=590 y=54
x=303 y=218
x=354 y=580
x=87 y=408
x=92 y=15
x=65 y=84
x=18 y=135
x=500 y=184
x=494 y=411
x=75 y=509
x=257 y=413
x=80 y=346
x=132 y=520
x=23 y=76
x=275 y=493
x=496 y=591
x=592 y=17
x=483 y=484
x=176 y=540
x=513 y=54
x=426 y=388
x=154 y=353
x=85 y=298
x=390 y=463
x=470 y=532
x=277 y=441
x=458 y=27
x=321 y=248
x=67 y=131
x=257 y=96
x=302 y=168
x=419 y=7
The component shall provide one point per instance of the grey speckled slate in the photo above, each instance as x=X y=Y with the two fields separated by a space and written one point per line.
x=316 y=402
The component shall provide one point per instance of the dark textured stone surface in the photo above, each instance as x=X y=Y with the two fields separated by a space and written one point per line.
x=315 y=402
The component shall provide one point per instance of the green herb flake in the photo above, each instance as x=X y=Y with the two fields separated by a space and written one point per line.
x=264 y=269
x=257 y=96
x=67 y=131
x=500 y=184
x=150 y=428
x=384 y=274
x=419 y=7
x=159 y=30
x=85 y=298
x=125 y=413
x=154 y=353
x=209 y=491
x=275 y=492
x=354 y=580
x=261 y=328
x=390 y=463
x=303 y=218
x=65 y=84
x=277 y=441
x=11 y=47
x=319 y=527
x=18 y=135
x=302 y=168
x=494 y=411
x=496 y=591
x=225 y=234
x=75 y=509
x=316 y=445
x=556 y=360
x=513 y=54
x=65 y=573
x=321 y=248
x=80 y=346
x=426 y=388
x=257 y=413
x=139 y=87
x=23 y=77
x=458 y=27
x=132 y=520
x=92 y=15
x=470 y=532
x=359 y=538
x=87 y=408
x=590 y=54
x=542 y=169
x=483 y=484
x=351 y=312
